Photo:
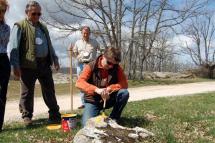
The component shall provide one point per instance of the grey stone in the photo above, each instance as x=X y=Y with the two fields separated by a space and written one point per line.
x=100 y=130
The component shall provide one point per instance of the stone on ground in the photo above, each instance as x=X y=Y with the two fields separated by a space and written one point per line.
x=102 y=130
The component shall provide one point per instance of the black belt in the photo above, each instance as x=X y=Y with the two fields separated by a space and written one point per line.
x=41 y=59
x=85 y=62
x=3 y=54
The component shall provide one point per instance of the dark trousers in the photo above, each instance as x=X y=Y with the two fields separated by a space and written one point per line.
x=4 y=79
x=28 y=78
x=118 y=101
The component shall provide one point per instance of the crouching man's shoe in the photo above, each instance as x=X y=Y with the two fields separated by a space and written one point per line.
x=81 y=107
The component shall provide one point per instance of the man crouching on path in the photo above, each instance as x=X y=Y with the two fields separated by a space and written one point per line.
x=104 y=80
x=32 y=55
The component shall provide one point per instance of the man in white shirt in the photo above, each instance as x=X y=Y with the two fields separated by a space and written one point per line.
x=85 y=50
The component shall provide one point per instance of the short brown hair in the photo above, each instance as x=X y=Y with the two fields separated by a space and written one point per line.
x=4 y=4
x=114 y=53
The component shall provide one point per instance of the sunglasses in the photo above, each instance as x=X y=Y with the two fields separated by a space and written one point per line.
x=36 y=14
x=110 y=63
x=2 y=10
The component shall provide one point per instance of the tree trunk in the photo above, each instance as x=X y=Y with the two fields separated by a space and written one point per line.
x=210 y=73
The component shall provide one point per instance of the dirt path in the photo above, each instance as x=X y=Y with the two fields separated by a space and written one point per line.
x=140 y=93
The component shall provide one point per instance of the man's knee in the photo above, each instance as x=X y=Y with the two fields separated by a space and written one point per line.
x=124 y=94
x=85 y=117
x=90 y=111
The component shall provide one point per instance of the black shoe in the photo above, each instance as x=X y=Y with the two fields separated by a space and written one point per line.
x=27 y=121
x=81 y=107
x=54 y=119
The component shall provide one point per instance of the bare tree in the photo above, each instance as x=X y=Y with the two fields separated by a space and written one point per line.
x=158 y=17
x=104 y=15
x=201 y=31
x=132 y=25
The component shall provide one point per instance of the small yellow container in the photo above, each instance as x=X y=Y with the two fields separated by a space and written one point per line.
x=53 y=127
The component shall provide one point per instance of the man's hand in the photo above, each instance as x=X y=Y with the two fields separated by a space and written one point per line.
x=108 y=90
x=105 y=96
x=99 y=90
x=17 y=72
x=103 y=92
x=79 y=57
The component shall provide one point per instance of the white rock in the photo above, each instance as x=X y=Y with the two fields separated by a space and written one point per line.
x=111 y=132
x=134 y=136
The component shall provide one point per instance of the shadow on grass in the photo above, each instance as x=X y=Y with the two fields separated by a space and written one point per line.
x=38 y=123
x=134 y=121
x=42 y=123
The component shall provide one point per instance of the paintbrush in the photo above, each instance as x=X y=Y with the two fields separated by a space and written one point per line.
x=104 y=105
x=103 y=110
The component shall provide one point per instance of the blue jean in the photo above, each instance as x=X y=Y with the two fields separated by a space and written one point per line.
x=118 y=101
x=80 y=67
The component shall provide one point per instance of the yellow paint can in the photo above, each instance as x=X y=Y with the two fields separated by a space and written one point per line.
x=70 y=120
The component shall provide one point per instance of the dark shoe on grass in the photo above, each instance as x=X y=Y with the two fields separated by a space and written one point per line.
x=54 y=119
x=27 y=121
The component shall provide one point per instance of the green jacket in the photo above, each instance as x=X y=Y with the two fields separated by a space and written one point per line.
x=27 y=53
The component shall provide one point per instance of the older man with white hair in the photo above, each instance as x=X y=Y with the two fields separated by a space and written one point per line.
x=85 y=50
x=32 y=55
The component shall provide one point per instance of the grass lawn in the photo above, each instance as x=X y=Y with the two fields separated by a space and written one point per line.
x=189 y=119
x=62 y=89
x=135 y=83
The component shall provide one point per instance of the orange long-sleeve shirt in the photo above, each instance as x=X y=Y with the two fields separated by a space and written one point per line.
x=89 y=89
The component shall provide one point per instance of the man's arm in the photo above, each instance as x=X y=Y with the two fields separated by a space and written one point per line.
x=122 y=82
x=53 y=53
x=98 y=49
x=82 y=83
x=55 y=59
x=77 y=55
x=14 y=47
